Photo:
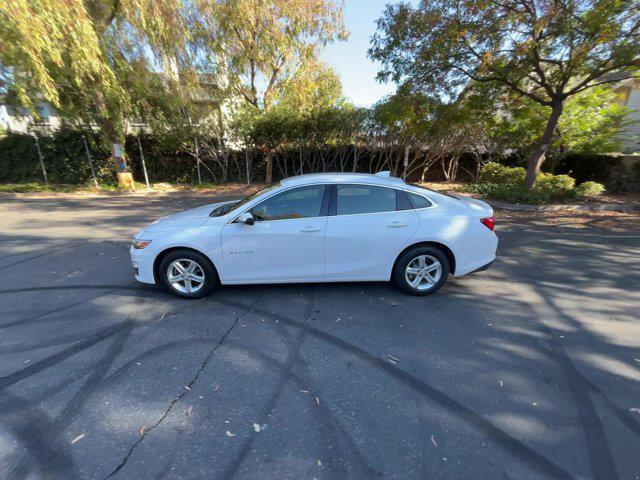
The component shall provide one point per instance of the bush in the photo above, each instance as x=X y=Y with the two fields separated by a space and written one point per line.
x=497 y=173
x=507 y=183
x=555 y=185
x=64 y=158
x=587 y=167
x=509 y=192
x=588 y=189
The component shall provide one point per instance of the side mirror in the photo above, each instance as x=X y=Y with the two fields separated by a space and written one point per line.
x=246 y=218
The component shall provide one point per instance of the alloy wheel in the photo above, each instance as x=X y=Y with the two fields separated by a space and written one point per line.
x=185 y=275
x=423 y=272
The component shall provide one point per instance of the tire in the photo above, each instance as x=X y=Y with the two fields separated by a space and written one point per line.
x=196 y=266
x=411 y=261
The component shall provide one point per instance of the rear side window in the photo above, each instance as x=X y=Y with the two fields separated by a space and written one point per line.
x=354 y=199
x=418 y=201
x=303 y=202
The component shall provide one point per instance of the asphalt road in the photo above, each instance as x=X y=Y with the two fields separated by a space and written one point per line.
x=528 y=370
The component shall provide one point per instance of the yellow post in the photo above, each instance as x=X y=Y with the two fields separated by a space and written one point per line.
x=125 y=180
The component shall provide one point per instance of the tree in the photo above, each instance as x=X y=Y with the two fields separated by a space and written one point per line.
x=314 y=87
x=589 y=123
x=547 y=51
x=309 y=114
x=86 y=57
x=265 y=44
x=439 y=133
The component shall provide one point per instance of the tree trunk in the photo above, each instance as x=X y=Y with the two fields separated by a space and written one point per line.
x=268 y=176
x=110 y=132
x=539 y=154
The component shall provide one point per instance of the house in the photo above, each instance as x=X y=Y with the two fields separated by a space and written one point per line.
x=14 y=118
x=629 y=96
x=19 y=119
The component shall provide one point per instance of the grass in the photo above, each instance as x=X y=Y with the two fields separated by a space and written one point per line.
x=161 y=187
x=35 y=187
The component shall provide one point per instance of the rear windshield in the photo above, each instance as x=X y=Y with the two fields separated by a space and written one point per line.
x=432 y=191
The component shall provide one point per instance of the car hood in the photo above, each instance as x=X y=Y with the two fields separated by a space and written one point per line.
x=182 y=220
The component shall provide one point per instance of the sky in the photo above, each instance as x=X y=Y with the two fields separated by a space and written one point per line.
x=349 y=59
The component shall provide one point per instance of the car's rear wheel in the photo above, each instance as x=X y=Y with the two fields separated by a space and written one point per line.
x=187 y=274
x=421 y=271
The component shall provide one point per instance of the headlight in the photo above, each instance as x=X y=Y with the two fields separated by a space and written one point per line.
x=140 y=244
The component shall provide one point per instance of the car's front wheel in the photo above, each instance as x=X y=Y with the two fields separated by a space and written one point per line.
x=421 y=271
x=187 y=274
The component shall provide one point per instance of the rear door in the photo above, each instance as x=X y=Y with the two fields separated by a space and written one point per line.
x=285 y=243
x=366 y=228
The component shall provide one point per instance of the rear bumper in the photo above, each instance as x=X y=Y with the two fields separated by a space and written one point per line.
x=484 y=267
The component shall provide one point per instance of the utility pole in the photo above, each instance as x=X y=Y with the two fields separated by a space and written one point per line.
x=247 y=165
x=144 y=165
x=44 y=170
x=195 y=141
x=406 y=162
x=93 y=173
x=355 y=157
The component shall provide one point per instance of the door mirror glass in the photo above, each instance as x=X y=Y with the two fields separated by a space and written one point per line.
x=246 y=218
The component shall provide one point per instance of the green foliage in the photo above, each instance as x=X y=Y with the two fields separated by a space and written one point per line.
x=588 y=125
x=507 y=183
x=546 y=52
x=587 y=167
x=557 y=185
x=496 y=173
x=93 y=60
x=265 y=43
x=437 y=46
x=63 y=153
x=168 y=157
x=510 y=193
x=313 y=87
x=589 y=189
x=280 y=129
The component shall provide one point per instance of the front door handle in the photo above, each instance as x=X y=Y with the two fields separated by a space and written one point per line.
x=309 y=230
x=396 y=225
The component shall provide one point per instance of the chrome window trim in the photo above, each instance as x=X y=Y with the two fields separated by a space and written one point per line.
x=433 y=203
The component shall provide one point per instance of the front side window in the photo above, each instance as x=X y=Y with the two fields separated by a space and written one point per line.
x=355 y=199
x=302 y=202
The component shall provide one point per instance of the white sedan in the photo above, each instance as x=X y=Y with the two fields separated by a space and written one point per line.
x=332 y=227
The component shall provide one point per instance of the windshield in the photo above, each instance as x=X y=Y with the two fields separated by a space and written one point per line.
x=224 y=209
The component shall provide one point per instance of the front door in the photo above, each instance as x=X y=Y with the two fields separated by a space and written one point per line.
x=286 y=242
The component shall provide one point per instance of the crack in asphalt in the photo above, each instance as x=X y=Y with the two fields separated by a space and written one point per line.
x=48 y=252
x=194 y=379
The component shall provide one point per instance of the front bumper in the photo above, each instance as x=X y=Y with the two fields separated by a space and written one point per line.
x=142 y=264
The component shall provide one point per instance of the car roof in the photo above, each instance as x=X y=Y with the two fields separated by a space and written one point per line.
x=382 y=178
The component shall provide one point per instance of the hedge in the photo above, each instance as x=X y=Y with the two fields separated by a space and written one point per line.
x=170 y=159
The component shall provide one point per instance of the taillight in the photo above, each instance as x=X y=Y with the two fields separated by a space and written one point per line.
x=489 y=222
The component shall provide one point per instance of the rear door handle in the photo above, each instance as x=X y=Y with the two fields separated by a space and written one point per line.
x=310 y=230
x=396 y=225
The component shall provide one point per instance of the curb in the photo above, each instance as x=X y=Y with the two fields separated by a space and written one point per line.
x=595 y=207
